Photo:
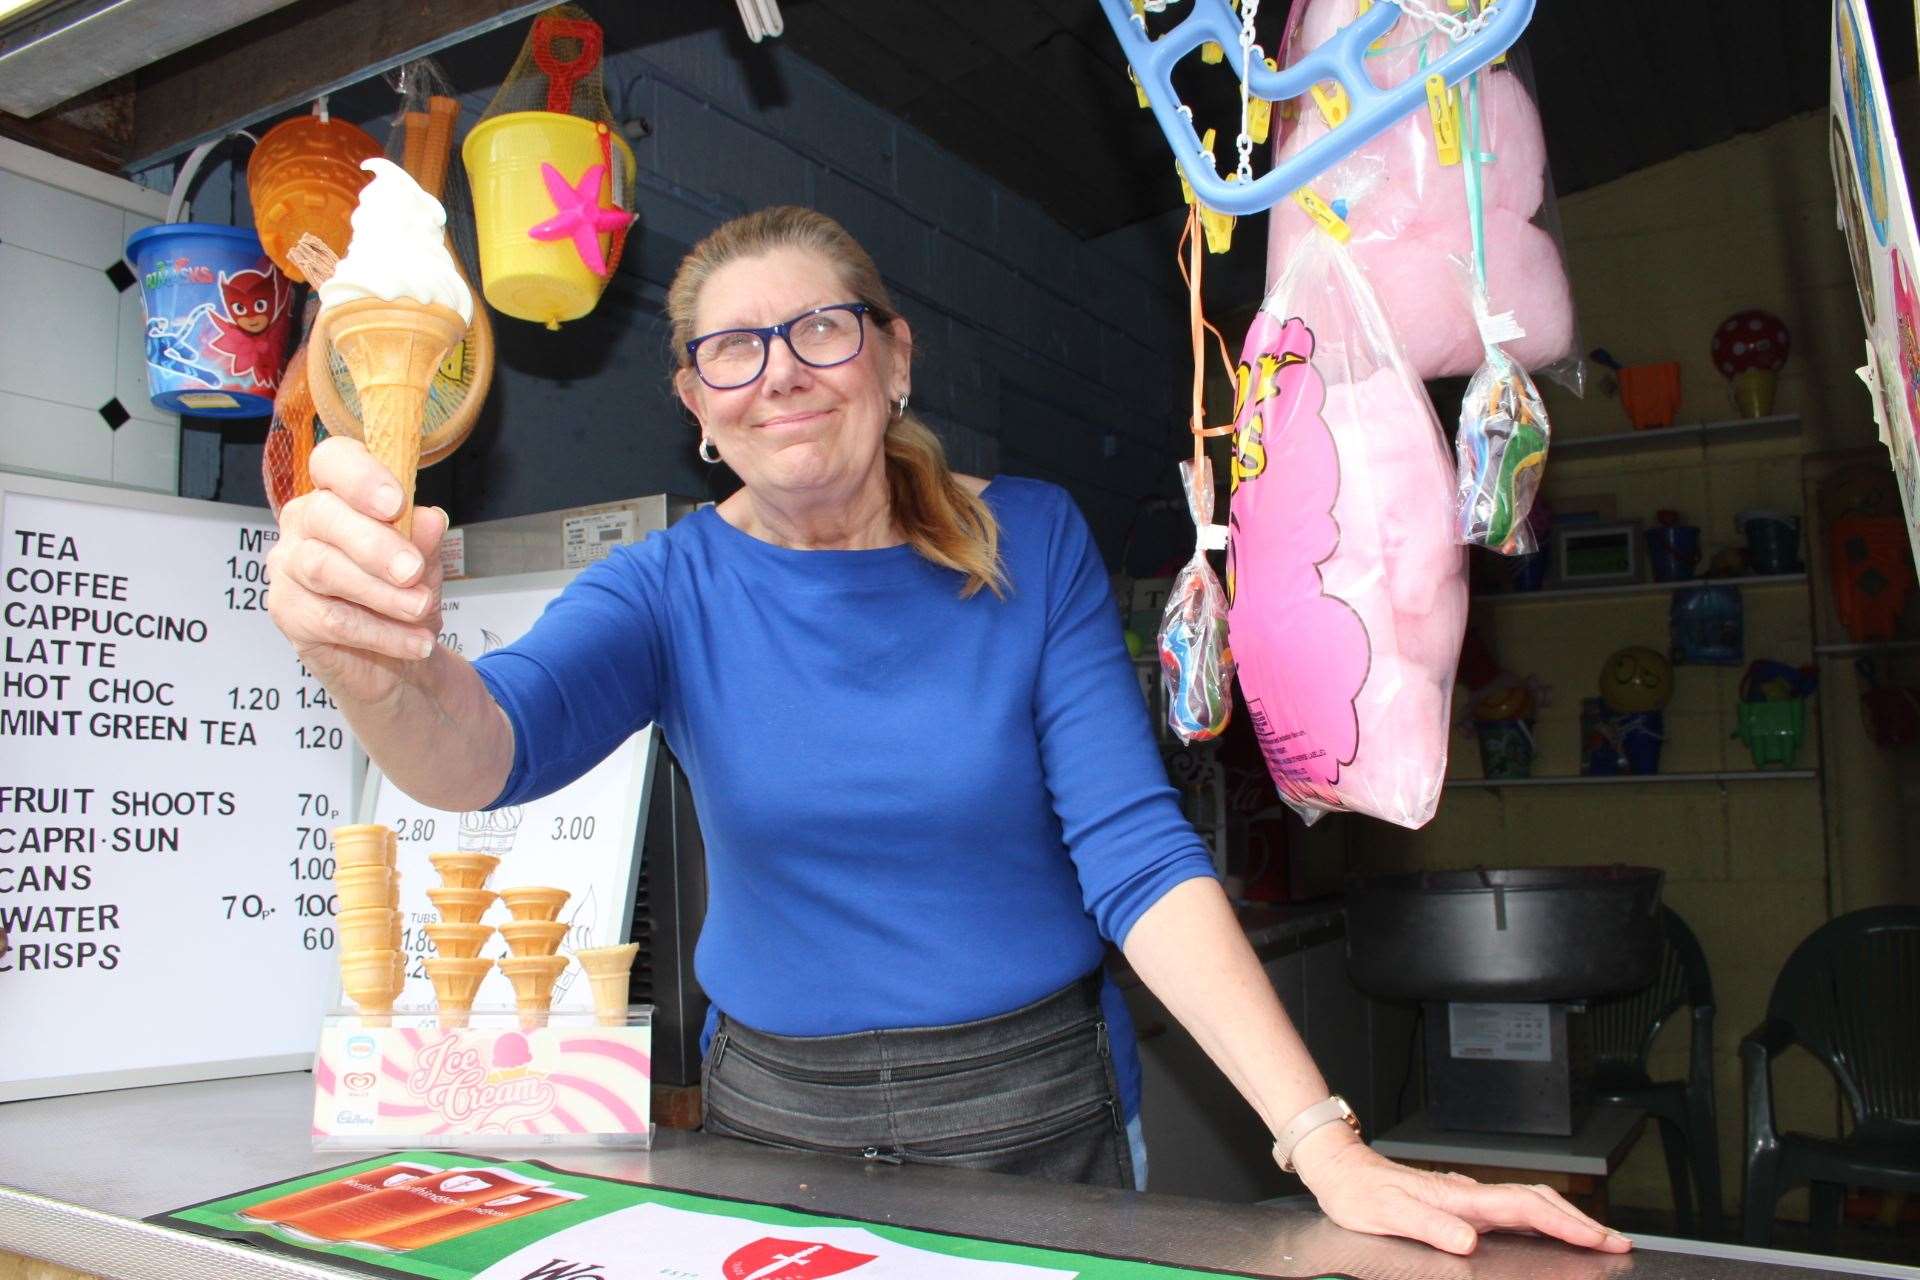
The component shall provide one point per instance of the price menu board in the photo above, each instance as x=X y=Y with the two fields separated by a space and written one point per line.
x=584 y=838
x=168 y=777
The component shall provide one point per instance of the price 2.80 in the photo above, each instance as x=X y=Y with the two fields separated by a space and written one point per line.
x=413 y=830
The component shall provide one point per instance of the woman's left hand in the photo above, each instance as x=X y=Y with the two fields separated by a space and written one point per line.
x=1361 y=1190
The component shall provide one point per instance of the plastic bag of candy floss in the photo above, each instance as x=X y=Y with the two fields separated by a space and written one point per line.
x=1346 y=585
x=1196 y=665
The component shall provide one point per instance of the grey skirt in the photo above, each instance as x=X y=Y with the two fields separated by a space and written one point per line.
x=1029 y=1092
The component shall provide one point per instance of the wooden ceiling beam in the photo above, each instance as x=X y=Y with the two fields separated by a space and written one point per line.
x=278 y=63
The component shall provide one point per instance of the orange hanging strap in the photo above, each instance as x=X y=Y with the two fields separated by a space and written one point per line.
x=1188 y=258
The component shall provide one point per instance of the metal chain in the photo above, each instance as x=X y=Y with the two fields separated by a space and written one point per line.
x=1455 y=29
x=1244 y=143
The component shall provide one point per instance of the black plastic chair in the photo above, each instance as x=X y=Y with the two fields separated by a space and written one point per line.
x=1850 y=996
x=1622 y=1031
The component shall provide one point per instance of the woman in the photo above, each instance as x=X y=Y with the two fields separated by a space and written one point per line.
x=926 y=786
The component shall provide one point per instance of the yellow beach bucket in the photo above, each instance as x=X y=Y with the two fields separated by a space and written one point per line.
x=543 y=280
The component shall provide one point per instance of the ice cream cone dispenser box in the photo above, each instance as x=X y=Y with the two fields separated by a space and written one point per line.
x=493 y=1084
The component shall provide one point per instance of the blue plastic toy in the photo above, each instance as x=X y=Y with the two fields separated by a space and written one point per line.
x=1371 y=111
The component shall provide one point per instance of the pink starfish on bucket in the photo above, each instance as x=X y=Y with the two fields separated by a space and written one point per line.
x=579 y=215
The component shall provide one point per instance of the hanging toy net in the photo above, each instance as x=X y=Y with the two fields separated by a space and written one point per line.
x=553 y=178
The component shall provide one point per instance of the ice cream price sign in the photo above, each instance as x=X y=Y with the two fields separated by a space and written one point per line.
x=440 y=1215
x=584 y=838
x=168 y=776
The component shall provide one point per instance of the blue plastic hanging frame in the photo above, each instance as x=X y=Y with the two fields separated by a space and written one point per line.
x=1373 y=109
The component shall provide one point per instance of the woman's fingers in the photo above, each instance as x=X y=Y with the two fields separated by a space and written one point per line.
x=348 y=626
x=343 y=466
x=327 y=571
x=1512 y=1207
x=1400 y=1214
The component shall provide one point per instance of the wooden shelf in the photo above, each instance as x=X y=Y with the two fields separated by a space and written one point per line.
x=1639 y=588
x=1628 y=779
x=1864 y=650
x=1776 y=427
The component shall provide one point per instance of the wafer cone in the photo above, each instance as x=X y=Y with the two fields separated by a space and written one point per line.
x=533 y=978
x=391 y=350
x=455 y=980
x=369 y=979
x=463 y=870
x=368 y=929
x=610 y=970
x=534 y=937
x=459 y=941
x=363 y=844
x=461 y=906
x=534 y=902
x=365 y=886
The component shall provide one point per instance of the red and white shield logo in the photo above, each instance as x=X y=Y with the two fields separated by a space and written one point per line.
x=769 y=1258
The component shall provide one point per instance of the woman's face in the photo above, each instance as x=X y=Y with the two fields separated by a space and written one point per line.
x=796 y=429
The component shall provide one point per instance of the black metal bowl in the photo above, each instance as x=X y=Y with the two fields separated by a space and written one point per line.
x=1537 y=934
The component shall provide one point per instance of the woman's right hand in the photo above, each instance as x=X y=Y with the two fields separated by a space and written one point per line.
x=360 y=603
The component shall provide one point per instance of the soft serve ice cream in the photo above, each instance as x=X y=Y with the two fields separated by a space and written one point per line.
x=399 y=247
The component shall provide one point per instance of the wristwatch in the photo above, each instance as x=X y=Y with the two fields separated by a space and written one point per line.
x=1320 y=1113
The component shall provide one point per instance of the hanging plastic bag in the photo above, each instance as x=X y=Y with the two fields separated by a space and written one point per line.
x=1501 y=451
x=1346 y=586
x=1501 y=446
x=1196 y=666
x=1401 y=200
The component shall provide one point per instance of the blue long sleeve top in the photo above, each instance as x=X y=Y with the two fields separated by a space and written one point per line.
x=918 y=809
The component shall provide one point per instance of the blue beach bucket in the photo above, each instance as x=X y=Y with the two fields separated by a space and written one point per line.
x=218 y=313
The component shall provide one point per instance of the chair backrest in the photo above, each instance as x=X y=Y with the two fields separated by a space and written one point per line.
x=1622 y=1028
x=1851 y=992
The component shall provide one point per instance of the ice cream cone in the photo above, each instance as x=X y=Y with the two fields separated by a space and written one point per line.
x=459 y=941
x=534 y=937
x=463 y=870
x=367 y=977
x=369 y=929
x=610 y=970
x=534 y=902
x=461 y=906
x=455 y=980
x=391 y=350
x=365 y=886
x=533 y=978
x=363 y=844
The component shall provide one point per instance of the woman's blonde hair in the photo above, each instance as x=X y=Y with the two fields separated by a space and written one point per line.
x=942 y=520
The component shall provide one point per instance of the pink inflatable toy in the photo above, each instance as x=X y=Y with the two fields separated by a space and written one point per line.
x=1347 y=590
x=1408 y=213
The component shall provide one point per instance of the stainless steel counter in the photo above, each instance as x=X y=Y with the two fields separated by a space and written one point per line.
x=77 y=1175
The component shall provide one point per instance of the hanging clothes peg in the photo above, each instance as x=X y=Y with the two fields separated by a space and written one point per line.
x=1323 y=213
x=1260 y=113
x=1443 y=105
x=1334 y=104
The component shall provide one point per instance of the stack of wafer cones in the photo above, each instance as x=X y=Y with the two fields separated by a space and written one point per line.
x=461 y=898
x=533 y=936
x=372 y=967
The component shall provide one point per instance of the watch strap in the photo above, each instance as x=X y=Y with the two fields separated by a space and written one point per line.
x=1328 y=1112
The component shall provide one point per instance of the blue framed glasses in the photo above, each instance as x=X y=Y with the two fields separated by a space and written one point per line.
x=823 y=337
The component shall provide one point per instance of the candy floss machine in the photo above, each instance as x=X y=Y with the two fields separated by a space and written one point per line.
x=1503 y=963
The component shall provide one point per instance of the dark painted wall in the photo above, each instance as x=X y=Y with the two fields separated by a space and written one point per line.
x=1038 y=354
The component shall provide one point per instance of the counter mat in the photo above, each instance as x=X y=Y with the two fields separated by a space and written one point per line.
x=625 y=1229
